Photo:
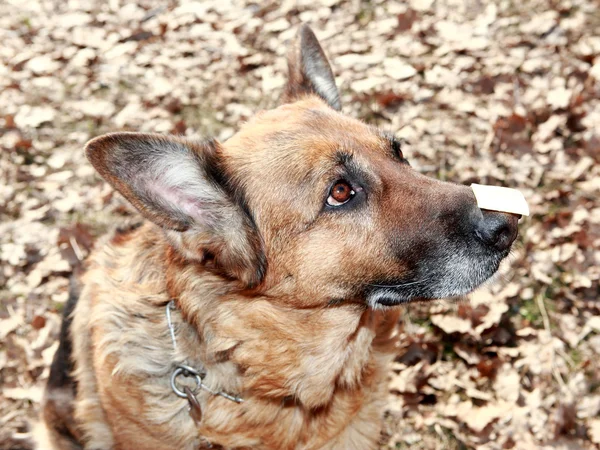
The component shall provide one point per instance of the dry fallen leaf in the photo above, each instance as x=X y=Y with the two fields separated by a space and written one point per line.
x=43 y=64
x=507 y=384
x=451 y=324
x=594 y=430
x=398 y=70
x=559 y=98
x=9 y=325
x=33 y=394
x=34 y=116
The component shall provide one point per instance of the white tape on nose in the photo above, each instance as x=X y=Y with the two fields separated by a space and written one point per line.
x=496 y=198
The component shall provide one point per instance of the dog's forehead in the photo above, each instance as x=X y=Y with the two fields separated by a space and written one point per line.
x=286 y=158
x=301 y=137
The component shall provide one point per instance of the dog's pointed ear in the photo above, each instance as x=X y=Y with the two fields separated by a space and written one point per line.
x=182 y=187
x=309 y=70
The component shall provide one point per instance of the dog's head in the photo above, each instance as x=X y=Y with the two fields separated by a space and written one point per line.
x=307 y=205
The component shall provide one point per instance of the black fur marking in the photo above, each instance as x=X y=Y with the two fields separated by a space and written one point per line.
x=61 y=388
x=62 y=364
x=396 y=146
x=129 y=227
x=216 y=172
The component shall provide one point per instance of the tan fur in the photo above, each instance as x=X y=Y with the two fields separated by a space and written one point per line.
x=311 y=375
x=270 y=284
x=332 y=360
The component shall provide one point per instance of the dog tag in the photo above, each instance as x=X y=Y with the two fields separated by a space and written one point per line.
x=496 y=198
x=195 y=409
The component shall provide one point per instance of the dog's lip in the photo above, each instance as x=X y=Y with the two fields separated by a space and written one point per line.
x=384 y=301
x=388 y=295
x=389 y=302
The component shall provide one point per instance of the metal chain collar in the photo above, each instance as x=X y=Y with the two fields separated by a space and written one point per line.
x=183 y=370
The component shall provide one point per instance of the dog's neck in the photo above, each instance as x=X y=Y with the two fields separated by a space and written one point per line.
x=297 y=370
x=254 y=347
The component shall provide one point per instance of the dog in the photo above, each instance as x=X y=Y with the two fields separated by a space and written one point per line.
x=256 y=304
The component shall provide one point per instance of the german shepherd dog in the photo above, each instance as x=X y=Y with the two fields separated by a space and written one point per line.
x=256 y=307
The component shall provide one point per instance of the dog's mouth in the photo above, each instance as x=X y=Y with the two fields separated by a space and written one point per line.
x=453 y=275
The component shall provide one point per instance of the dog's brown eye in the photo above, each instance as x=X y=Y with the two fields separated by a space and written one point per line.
x=340 y=193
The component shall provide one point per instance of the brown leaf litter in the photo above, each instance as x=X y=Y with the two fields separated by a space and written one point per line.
x=504 y=93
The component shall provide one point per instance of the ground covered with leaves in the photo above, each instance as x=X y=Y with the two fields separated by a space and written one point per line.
x=494 y=92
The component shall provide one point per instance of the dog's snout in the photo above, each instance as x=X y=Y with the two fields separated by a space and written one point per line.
x=496 y=229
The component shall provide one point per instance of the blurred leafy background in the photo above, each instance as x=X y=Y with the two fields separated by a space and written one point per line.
x=497 y=92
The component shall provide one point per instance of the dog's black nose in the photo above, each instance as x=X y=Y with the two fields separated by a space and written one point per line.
x=496 y=229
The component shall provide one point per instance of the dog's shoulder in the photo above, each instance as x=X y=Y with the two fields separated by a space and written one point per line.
x=132 y=257
x=124 y=289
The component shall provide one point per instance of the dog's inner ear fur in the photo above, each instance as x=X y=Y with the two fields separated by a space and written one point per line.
x=180 y=186
x=309 y=71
